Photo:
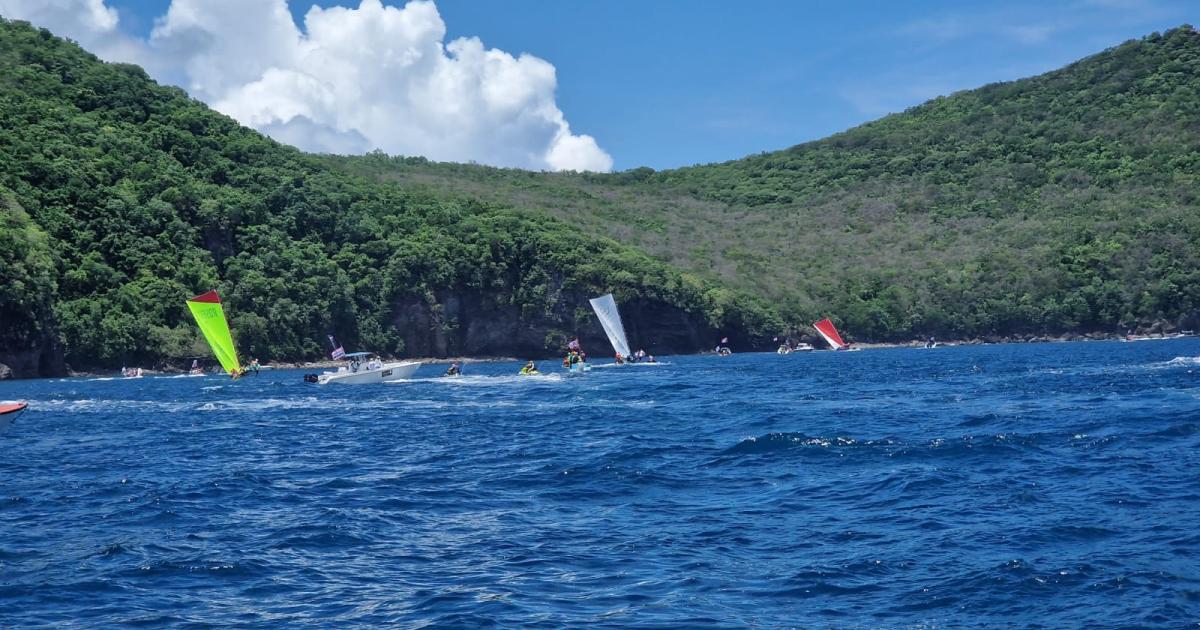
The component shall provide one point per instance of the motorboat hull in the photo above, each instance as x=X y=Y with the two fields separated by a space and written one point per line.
x=387 y=373
x=9 y=412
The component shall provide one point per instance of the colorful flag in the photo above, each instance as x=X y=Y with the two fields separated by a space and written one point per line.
x=574 y=344
x=724 y=339
x=338 y=351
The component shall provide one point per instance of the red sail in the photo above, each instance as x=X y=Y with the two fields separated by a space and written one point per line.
x=825 y=327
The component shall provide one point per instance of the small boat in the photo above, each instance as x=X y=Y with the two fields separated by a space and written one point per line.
x=830 y=334
x=610 y=319
x=366 y=367
x=135 y=372
x=788 y=349
x=210 y=317
x=9 y=412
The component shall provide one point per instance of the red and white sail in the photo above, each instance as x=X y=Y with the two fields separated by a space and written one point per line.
x=825 y=327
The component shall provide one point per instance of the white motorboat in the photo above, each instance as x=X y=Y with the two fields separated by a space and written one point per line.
x=366 y=367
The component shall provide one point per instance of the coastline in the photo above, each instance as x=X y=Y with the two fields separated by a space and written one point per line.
x=818 y=345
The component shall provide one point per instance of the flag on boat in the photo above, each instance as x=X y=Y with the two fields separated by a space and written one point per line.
x=574 y=344
x=606 y=309
x=206 y=308
x=338 y=351
x=825 y=327
x=724 y=339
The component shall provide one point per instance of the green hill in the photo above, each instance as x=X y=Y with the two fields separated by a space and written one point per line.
x=1067 y=202
x=120 y=198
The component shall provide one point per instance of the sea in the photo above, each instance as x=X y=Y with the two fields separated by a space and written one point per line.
x=1051 y=485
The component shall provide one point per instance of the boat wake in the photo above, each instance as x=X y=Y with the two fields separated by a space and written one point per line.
x=632 y=365
x=478 y=381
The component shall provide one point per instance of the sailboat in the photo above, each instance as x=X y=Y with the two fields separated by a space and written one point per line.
x=206 y=308
x=830 y=333
x=610 y=318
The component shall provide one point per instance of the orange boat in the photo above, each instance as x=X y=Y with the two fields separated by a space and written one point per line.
x=9 y=412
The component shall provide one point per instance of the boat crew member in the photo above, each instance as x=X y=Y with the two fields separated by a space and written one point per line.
x=529 y=369
x=453 y=370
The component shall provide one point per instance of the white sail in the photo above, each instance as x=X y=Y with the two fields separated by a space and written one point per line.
x=610 y=318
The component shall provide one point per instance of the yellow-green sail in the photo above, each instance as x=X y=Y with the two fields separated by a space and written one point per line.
x=207 y=310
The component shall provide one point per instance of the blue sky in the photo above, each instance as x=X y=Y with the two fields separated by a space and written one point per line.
x=672 y=83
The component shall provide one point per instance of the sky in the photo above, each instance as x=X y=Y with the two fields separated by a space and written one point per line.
x=586 y=85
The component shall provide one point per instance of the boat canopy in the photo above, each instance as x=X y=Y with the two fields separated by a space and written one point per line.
x=356 y=355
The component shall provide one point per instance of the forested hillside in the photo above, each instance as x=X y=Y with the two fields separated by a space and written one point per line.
x=1067 y=202
x=119 y=199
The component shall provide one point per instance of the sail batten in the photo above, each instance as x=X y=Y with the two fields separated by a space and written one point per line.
x=610 y=318
x=825 y=327
x=210 y=316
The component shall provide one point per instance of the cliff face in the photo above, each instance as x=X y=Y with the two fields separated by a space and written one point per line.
x=470 y=323
x=44 y=358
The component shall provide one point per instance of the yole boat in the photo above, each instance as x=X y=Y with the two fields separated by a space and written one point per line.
x=610 y=319
x=210 y=317
x=830 y=334
x=366 y=367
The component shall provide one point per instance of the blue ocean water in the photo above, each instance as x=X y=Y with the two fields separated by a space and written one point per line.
x=1040 y=485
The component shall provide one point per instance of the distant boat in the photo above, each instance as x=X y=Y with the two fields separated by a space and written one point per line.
x=365 y=367
x=206 y=308
x=195 y=370
x=610 y=318
x=830 y=334
x=1159 y=337
x=9 y=412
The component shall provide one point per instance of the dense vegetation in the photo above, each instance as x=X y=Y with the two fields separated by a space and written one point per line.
x=1067 y=202
x=119 y=199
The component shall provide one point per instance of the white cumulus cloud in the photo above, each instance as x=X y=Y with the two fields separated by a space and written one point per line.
x=352 y=80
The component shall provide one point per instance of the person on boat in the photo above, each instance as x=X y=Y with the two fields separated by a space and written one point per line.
x=454 y=369
x=374 y=363
x=620 y=360
x=253 y=367
x=573 y=358
x=530 y=369
x=650 y=359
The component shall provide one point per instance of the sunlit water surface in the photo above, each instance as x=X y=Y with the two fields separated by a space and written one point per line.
x=1048 y=485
